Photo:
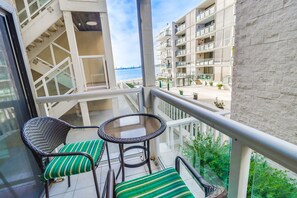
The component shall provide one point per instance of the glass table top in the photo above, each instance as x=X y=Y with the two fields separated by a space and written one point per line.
x=132 y=128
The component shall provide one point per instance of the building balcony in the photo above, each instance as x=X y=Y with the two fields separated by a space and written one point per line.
x=180 y=53
x=205 y=62
x=181 y=75
x=205 y=47
x=163 y=46
x=164 y=35
x=208 y=77
x=180 y=28
x=205 y=14
x=180 y=41
x=205 y=31
x=181 y=64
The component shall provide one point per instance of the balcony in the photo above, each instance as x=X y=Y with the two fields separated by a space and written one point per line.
x=205 y=31
x=180 y=29
x=180 y=41
x=206 y=47
x=163 y=46
x=180 y=53
x=191 y=127
x=205 y=14
x=181 y=64
x=205 y=62
x=208 y=77
x=164 y=35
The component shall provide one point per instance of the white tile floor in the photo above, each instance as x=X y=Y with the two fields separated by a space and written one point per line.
x=82 y=185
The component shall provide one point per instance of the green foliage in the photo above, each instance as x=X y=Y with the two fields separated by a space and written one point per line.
x=131 y=85
x=269 y=182
x=211 y=159
x=211 y=83
x=181 y=92
x=220 y=85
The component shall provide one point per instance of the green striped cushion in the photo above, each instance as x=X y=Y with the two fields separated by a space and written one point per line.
x=165 y=183
x=75 y=164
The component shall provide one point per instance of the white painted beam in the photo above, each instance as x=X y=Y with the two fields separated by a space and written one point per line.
x=83 y=6
x=108 y=50
x=77 y=67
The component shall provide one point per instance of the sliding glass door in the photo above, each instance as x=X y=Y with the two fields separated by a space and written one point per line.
x=18 y=170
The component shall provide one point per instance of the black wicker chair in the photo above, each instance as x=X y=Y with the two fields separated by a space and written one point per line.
x=164 y=183
x=42 y=135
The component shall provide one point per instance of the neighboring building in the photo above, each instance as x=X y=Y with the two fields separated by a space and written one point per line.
x=264 y=92
x=203 y=44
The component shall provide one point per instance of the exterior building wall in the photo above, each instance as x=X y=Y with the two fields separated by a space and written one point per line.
x=264 y=93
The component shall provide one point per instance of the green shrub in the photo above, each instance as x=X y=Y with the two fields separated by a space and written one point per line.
x=220 y=85
x=131 y=85
x=211 y=159
x=181 y=92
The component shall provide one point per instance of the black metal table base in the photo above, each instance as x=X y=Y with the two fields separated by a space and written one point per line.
x=146 y=150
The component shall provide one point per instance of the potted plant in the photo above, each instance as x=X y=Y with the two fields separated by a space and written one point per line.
x=220 y=85
x=195 y=96
x=181 y=92
x=218 y=104
x=211 y=83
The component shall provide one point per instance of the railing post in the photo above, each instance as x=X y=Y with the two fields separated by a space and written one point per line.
x=140 y=102
x=239 y=169
x=85 y=113
x=27 y=10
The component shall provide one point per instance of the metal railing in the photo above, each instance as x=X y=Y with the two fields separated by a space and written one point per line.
x=205 y=76
x=86 y=97
x=205 y=30
x=31 y=10
x=180 y=41
x=243 y=139
x=202 y=15
x=180 y=53
x=181 y=63
x=208 y=61
x=181 y=28
x=57 y=81
x=205 y=47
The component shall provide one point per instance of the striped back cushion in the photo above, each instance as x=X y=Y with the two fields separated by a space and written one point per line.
x=75 y=164
x=165 y=183
x=44 y=134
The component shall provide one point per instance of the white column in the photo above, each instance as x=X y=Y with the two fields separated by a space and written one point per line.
x=77 y=68
x=146 y=42
x=239 y=170
x=85 y=113
x=108 y=49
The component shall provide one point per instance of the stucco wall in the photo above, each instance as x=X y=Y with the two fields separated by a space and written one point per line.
x=264 y=92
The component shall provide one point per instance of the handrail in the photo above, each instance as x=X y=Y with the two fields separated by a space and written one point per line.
x=87 y=95
x=52 y=70
x=274 y=148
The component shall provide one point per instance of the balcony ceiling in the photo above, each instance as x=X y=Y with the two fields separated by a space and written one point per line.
x=80 y=20
x=205 y=4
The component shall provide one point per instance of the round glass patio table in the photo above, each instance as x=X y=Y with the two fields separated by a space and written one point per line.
x=129 y=129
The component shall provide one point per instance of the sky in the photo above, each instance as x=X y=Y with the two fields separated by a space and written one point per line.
x=124 y=28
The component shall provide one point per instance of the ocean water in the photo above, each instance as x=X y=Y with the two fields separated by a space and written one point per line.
x=130 y=74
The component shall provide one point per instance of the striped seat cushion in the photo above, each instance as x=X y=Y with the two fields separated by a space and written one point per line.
x=165 y=183
x=75 y=164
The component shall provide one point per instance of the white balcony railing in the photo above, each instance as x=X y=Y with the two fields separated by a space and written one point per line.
x=180 y=53
x=204 y=14
x=164 y=34
x=181 y=28
x=209 y=61
x=190 y=126
x=205 y=47
x=181 y=63
x=205 y=31
x=31 y=9
x=180 y=41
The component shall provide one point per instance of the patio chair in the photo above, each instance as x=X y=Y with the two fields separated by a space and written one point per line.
x=43 y=135
x=164 y=183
